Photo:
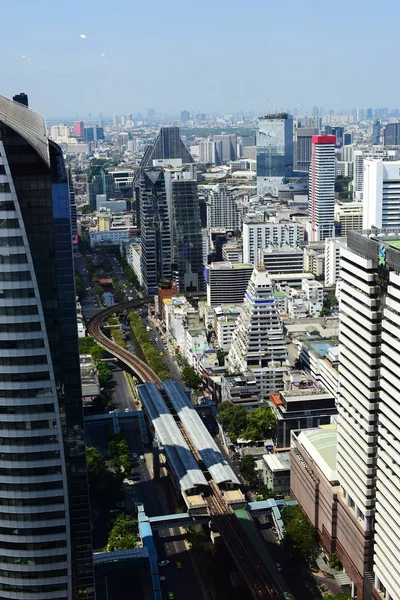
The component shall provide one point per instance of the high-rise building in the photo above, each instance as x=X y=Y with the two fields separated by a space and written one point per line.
x=338 y=132
x=369 y=432
x=381 y=199
x=122 y=141
x=274 y=152
x=78 y=129
x=186 y=234
x=46 y=528
x=376 y=134
x=151 y=113
x=100 y=182
x=321 y=197
x=93 y=134
x=347 y=139
x=115 y=120
x=22 y=98
x=155 y=233
x=207 y=152
x=258 y=342
x=391 y=134
x=302 y=147
x=227 y=150
x=259 y=233
x=168 y=144
x=333 y=247
x=185 y=116
x=368 y=114
x=222 y=209
x=349 y=216
x=227 y=282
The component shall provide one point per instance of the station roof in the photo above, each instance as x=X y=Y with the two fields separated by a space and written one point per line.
x=211 y=455
x=178 y=453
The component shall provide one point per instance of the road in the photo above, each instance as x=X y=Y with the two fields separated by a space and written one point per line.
x=122 y=394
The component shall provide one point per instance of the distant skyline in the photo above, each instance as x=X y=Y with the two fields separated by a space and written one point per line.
x=120 y=57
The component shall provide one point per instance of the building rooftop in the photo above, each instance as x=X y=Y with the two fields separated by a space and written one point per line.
x=320 y=348
x=279 y=461
x=321 y=445
x=223 y=265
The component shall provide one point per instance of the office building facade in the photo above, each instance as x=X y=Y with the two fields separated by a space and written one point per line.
x=391 y=134
x=274 y=152
x=186 y=233
x=78 y=129
x=226 y=147
x=46 y=528
x=259 y=233
x=381 y=198
x=155 y=232
x=227 y=282
x=321 y=197
x=302 y=148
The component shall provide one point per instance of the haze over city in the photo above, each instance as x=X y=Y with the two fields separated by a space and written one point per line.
x=211 y=57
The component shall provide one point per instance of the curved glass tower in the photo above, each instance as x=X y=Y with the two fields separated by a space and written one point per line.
x=45 y=541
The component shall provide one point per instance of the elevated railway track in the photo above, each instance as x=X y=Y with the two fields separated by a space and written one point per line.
x=240 y=547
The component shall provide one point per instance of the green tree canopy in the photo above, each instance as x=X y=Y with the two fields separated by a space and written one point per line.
x=247 y=468
x=191 y=378
x=232 y=418
x=259 y=422
x=300 y=535
x=122 y=535
x=80 y=289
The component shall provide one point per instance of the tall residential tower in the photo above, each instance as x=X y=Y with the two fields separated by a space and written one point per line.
x=321 y=197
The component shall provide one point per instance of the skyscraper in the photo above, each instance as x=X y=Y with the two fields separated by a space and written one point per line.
x=381 y=197
x=185 y=116
x=227 y=150
x=168 y=144
x=154 y=228
x=321 y=197
x=368 y=461
x=78 y=129
x=391 y=134
x=46 y=530
x=258 y=342
x=187 y=241
x=274 y=152
x=302 y=147
x=376 y=134
x=222 y=209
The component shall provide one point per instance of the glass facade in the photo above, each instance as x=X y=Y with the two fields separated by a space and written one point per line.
x=274 y=152
x=44 y=514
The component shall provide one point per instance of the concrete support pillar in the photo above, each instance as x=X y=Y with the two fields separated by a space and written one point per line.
x=156 y=461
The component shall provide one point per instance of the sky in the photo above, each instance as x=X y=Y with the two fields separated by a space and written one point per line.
x=217 y=56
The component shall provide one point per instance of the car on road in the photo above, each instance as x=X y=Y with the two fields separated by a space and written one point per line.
x=161 y=353
x=279 y=567
x=163 y=563
x=141 y=458
x=127 y=410
x=171 y=596
x=178 y=564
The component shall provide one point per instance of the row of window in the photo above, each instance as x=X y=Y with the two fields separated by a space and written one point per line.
x=5 y=187
x=29 y=393
x=27 y=441
x=33 y=574
x=17 y=293
x=34 y=486
x=24 y=425
x=14 y=275
x=21 y=344
x=30 y=546
x=19 y=327
x=27 y=409
x=32 y=561
x=40 y=589
x=13 y=259
x=28 y=517
x=18 y=311
x=13 y=361
x=9 y=224
x=31 y=501
x=32 y=472
x=20 y=377
x=7 y=205
x=12 y=241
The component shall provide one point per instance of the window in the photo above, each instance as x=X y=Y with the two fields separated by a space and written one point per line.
x=19 y=327
x=16 y=275
x=9 y=224
x=20 y=345
x=18 y=311
x=12 y=241
x=14 y=259
x=5 y=187
x=7 y=205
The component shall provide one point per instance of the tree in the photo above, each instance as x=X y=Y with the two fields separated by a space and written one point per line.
x=191 y=378
x=96 y=465
x=265 y=493
x=118 y=451
x=247 y=468
x=300 y=536
x=80 y=289
x=325 y=312
x=122 y=535
x=339 y=596
x=221 y=357
x=259 y=422
x=232 y=418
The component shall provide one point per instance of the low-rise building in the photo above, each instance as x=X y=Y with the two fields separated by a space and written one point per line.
x=320 y=358
x=303 y=403
x=224 y=324
x=89 y=379
x=281 y=259
x=134 y=257
x=276 y=473
x=314 y=258
x=240 y=389
x=314 y=294
x=350 y=216
x=233 y=252
x=282 y=281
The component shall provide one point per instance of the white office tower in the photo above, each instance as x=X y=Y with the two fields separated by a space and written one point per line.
x=369 y=402
x=358 y=174
x=222 y=210
x=258 y=342
x=332 y=259
x=321 y=197
x=260 y=233
x=381 y=199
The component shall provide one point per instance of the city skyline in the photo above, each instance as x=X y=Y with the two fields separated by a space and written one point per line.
x=80 y=62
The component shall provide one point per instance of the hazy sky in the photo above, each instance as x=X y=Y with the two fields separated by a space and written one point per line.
x=219 y=55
